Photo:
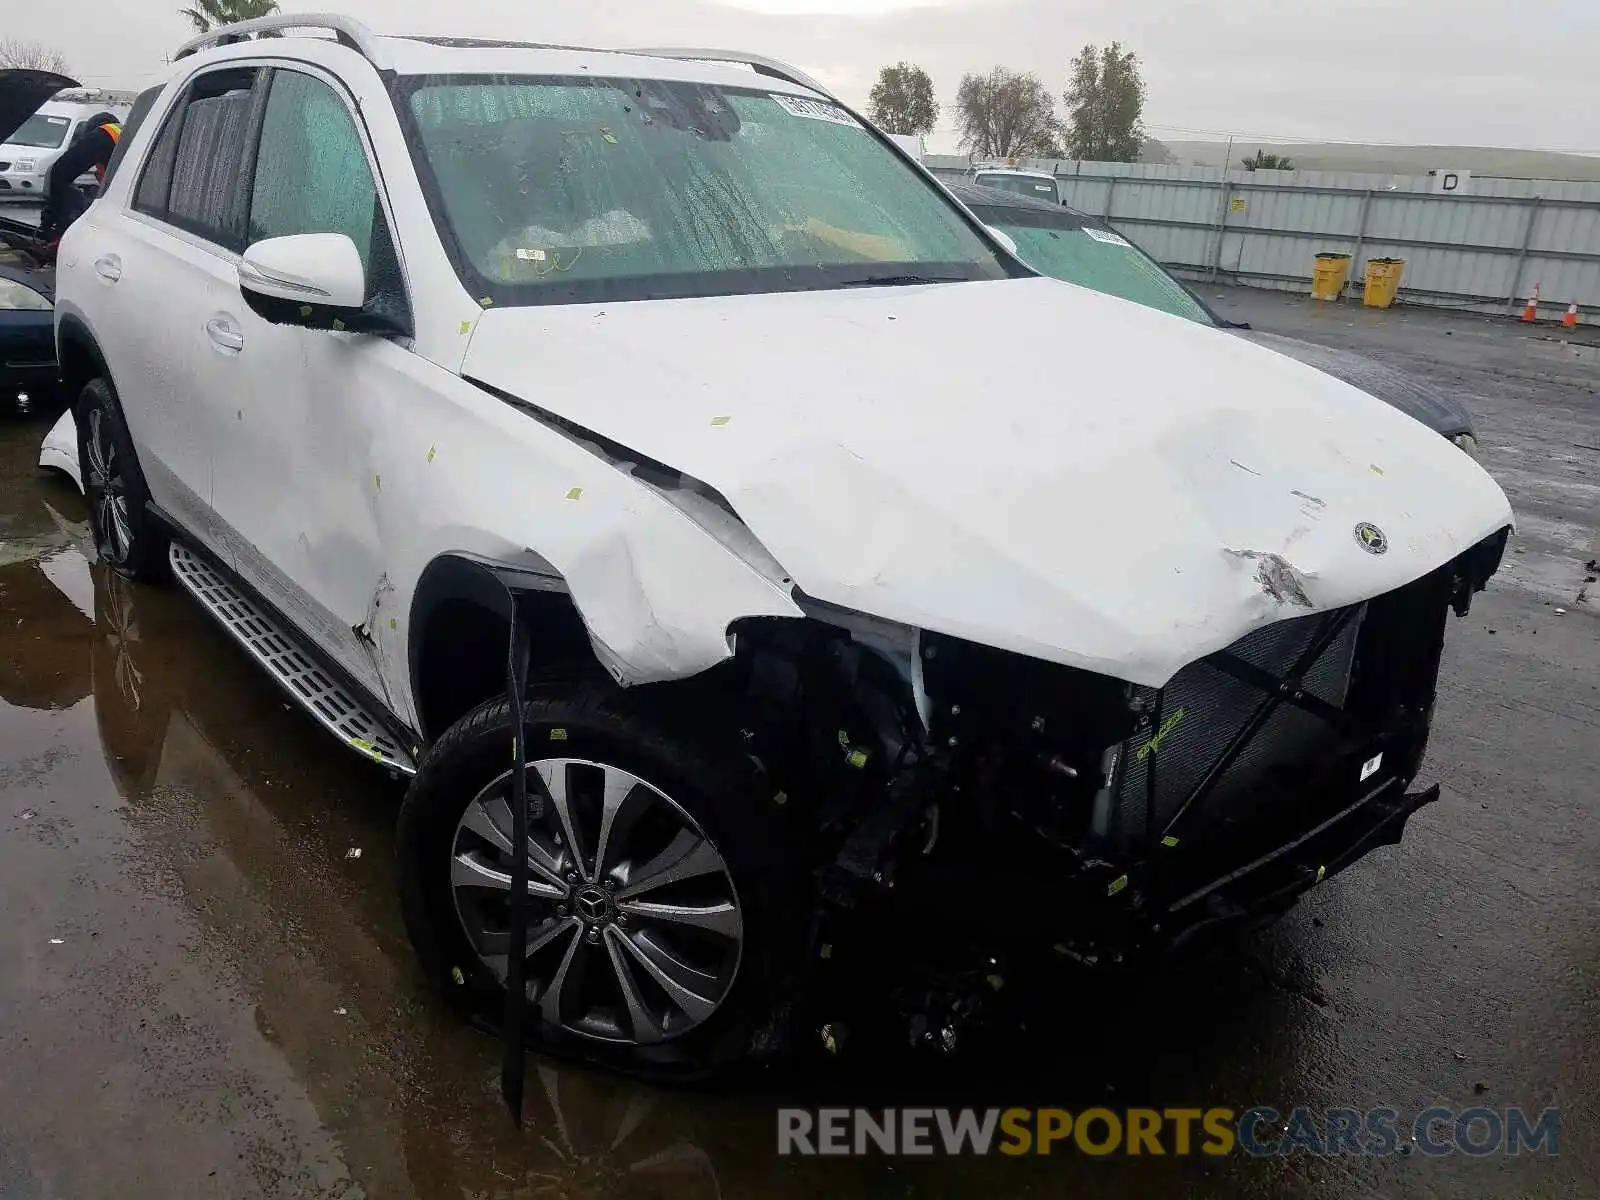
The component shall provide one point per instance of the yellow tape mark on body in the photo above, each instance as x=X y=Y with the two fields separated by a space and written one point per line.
x=1117 y=884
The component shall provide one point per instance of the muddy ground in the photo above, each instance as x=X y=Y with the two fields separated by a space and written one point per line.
x=204 y=993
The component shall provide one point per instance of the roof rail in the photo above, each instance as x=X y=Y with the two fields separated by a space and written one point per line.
x=346 y=31
x=765 y=66
x=449 y=42
x=84 y=95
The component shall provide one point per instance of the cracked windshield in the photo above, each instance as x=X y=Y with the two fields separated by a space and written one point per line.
x=950 y=599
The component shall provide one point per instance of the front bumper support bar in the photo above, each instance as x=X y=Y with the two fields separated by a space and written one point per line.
x=1330 y=846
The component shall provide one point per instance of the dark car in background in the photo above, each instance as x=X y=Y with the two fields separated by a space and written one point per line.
x=27 y=337
x=1080 y=249
x=27 y=307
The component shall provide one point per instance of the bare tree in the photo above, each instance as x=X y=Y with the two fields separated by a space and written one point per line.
x=207 y=15
x=17 y=54
x=1105 y=105
x=903 y=100
x=1007 y=114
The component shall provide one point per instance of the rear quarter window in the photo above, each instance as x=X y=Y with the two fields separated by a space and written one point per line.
x=130 y=127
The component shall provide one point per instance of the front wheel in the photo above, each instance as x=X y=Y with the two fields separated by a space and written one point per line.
x=125 y=535
x=654 y=934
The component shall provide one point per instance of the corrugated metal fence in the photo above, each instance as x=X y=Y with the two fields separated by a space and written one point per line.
x=1483 y=249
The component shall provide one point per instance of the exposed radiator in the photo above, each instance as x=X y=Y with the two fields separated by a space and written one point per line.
x=1201 y=710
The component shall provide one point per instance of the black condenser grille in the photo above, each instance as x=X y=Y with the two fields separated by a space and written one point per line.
x=1204 y=707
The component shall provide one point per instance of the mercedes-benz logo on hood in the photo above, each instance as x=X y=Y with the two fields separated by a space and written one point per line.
x=1371 y=538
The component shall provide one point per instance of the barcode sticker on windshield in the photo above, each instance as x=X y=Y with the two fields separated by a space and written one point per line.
x=816 y=110
x=1106 y=236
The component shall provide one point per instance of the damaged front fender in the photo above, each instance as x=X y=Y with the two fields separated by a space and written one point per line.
x=655 y=587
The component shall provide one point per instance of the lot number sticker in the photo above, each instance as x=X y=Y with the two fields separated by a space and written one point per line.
x=1106 y=236
x=815 y=110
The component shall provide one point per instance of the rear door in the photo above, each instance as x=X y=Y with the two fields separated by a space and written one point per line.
x=166 y=302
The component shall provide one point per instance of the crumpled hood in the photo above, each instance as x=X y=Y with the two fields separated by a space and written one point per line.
x=1148 y=494
x=1415 y=397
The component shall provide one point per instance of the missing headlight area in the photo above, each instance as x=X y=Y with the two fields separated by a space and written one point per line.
x=1112 y=817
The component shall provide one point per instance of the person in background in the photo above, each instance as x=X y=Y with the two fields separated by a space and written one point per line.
x=91 y=152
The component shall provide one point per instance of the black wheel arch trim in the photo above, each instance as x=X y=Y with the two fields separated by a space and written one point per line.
x=74 y=330
x=490 y=585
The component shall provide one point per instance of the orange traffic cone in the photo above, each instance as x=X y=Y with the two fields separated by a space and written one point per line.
x=1570 y=321
x=1530 y=310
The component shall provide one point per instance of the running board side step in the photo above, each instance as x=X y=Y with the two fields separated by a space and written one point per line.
x=266 y=641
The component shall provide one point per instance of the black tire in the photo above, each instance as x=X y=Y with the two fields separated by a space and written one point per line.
x=127 y=537
x=720 y=789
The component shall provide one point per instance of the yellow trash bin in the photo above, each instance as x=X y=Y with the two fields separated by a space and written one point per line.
x=1383 y=281
x=1329 y=275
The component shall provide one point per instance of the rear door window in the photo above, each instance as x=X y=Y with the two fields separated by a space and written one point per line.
x=195 y=177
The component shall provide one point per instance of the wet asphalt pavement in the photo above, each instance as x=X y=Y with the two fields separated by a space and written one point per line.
x=205 y=993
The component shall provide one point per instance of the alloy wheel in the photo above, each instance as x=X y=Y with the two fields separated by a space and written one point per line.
x=108 y=496
x=634 y=930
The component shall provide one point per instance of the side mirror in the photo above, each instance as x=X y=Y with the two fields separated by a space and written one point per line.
x=1001 y=236
x=310 y=279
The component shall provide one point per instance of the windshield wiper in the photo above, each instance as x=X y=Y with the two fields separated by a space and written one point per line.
x=900 y=280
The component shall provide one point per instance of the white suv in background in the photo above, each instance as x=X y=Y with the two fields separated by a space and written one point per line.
x=625 y=415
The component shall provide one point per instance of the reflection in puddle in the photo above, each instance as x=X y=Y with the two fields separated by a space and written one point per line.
x=238 y=814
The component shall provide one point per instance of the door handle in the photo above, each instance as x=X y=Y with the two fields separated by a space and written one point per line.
x=225 y=335
x=108 y=268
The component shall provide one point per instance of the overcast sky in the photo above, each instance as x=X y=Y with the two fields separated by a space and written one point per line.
x=1479 y=72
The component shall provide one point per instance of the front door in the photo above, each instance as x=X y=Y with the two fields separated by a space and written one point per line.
x=294 y=479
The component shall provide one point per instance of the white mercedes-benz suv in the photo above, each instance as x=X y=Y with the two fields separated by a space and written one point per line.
x=638 y=419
